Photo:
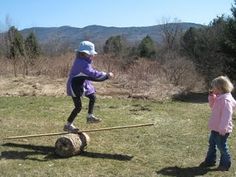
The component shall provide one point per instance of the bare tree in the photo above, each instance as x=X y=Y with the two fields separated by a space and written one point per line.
x=171 y=32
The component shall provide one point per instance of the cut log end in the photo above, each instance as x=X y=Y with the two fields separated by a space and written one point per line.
x=71 y=144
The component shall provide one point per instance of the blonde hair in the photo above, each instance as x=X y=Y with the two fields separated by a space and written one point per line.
x=223 y=84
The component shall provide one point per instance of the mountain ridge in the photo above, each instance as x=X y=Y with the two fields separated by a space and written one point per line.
x=99 y=34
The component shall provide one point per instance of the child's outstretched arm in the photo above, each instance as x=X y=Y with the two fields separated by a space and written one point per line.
x=95 y=75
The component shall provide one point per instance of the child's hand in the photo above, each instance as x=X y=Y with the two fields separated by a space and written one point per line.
x=110 y=75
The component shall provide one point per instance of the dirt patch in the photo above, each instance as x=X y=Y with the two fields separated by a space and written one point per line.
x=46 y=86
x=31 y=86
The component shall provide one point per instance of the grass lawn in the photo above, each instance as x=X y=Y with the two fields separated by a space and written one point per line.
x=173 y=147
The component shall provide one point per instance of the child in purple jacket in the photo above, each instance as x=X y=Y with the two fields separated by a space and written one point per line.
x=80 y=83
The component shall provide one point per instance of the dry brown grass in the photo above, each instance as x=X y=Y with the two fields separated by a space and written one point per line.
x=140 y=79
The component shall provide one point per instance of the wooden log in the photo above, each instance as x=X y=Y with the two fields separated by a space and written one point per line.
x=71 y=144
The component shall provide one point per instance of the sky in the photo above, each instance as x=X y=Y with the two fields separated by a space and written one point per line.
x=119 y=13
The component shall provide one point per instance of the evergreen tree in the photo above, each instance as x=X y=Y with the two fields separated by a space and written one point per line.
x=32 y=47
x=114 y=45
x=189 y=41
x=147 y=48
x=228 y=45
x=203 y=47
x=15 y=46
x=233 y=10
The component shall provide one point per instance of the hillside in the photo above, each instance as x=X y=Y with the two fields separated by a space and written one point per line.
x=99 y=34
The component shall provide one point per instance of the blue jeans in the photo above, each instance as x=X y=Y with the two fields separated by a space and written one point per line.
x=219 y=141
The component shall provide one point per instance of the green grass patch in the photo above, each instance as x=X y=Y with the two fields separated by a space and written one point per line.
x=175 y=146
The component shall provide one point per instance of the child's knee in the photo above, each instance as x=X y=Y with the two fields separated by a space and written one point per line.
x=78 y=109
x=92 y=97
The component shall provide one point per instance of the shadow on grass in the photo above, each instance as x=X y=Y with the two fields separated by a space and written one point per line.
x=26 y=155
x=184 y=172
x=192 y=97
x=50 y=153
x=120 y=157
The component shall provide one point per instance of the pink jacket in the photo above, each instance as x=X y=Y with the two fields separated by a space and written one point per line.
x=222 y=107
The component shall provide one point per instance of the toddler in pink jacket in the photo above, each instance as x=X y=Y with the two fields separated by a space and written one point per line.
x=220 y=123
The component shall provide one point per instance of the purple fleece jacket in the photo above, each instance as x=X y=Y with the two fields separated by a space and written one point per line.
x=83 y=72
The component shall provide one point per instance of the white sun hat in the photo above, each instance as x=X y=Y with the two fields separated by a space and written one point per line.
x=86 y=47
